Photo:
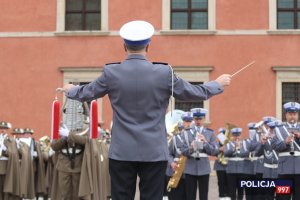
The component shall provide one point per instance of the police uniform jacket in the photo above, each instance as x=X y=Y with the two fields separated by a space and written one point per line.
x=235 y=159
x=270 y=162
x=217 y=165
x=248 y=146
x=287 y=164
x=174 y=152
x=198 y=166
x=139 y=93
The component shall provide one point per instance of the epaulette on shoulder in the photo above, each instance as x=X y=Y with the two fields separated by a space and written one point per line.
x=209 y=129
x=160 y=63
x=113 y=63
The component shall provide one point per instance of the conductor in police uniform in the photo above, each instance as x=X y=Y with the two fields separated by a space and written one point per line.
x=139 y=92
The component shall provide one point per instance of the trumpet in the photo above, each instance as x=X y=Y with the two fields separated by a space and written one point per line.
x=264 y=133
x=292 y=152
x=238 y=146
x=198 y=144
x=292 y=147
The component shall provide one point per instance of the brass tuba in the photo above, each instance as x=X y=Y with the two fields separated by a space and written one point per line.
x=228 y=135
x=45 y=143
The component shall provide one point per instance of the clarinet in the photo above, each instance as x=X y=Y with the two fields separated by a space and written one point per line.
x=292 y=150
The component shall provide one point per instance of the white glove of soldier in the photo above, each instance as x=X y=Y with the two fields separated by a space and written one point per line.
x=64 y=131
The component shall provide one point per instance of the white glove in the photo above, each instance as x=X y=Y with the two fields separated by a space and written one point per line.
x=3 y=147
x=221 y=138
x=51 y=152
x=64 y=131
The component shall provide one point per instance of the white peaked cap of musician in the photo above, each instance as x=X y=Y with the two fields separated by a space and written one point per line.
x=137 y=33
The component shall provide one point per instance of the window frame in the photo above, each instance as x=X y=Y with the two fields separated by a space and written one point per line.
x=273 y=30
x=166 y=21
x=284 y=75
x=84 y=12
x=189 y=10
x=83 y=74
x=295 y=92
x=194 y=74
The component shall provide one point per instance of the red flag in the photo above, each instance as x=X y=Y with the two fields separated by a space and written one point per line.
x=55 y=119
x=94 y=120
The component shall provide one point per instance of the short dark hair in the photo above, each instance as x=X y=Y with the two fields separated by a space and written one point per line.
x=135 y=48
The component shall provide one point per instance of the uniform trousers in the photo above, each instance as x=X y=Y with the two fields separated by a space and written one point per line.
x=69 y=185
x=222 y=183
x=2 y=179
x=295 y=191
x=250 y=193
x=178 y=193
x=260 y=192
x=234 y=191
x=124 y=175
x=191 y=186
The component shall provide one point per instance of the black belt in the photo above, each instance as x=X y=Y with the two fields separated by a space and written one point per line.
x=71 y=153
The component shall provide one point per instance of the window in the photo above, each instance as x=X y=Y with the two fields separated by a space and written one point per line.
x=287 y=87
x=189 y=14
x=80 y=76
x=83 y=15
x=194 y=75
x=290 y=92
x=187 y=105
x=288 y=14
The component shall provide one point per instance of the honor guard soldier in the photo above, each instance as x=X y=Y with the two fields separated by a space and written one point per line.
x=233 y=151
x=4 y=127
x=17 y=132
x=199 y=144
x=12 y=186
x=270 y=170
x=27 y=138
x=286 y=142
x=220 y=166
x=139 y=93
x=69 y=162
x=178 y=193
x=27 y=164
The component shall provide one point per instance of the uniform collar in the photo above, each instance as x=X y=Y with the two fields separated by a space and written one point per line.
x=291 y=125
x=136 y=56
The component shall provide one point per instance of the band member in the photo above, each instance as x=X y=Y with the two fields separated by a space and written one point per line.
x=270 y=170
x=248 y=150
x=199 y=144
x=220 y=166
x=234 y=170
x=286 y=142
x=139 y=92
x=178 y=193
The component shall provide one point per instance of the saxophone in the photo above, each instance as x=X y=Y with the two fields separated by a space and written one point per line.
x=174 y=180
